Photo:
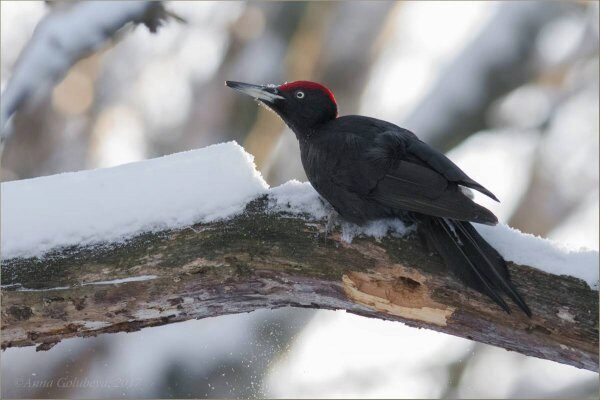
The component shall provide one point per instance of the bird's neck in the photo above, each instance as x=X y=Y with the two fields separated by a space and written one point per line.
x=307 y=133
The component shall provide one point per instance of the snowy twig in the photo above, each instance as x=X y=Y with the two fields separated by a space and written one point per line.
x=64 y=37
x=262 y=259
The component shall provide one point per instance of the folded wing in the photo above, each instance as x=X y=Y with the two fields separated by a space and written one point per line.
x=415 y=177
x=443 y=165
x=416 y=188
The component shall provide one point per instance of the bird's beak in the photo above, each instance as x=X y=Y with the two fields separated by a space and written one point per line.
x=260 y=92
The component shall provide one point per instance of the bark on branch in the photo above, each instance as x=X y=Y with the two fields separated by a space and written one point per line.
x=269 y=260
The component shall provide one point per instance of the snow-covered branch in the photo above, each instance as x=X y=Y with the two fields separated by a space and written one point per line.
x=200 y=234
x=64 y=37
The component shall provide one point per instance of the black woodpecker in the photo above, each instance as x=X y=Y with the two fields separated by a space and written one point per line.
x=369 y=169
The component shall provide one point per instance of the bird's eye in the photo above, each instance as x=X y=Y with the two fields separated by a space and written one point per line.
x=300 y=94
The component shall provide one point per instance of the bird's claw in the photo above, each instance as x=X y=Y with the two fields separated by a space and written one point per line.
x=332 y=221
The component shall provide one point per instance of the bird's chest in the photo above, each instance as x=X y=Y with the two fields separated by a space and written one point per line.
x=332 y=173
x=319 y=161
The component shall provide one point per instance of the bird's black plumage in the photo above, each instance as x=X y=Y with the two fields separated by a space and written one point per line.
x=369 y=169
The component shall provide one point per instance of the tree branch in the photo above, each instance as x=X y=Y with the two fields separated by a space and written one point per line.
x=65 y=36
x=263 y=259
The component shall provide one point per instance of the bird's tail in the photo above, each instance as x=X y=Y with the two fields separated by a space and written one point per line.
x=471 y=258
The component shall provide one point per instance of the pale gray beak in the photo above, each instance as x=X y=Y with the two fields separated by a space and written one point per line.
x=260 y=92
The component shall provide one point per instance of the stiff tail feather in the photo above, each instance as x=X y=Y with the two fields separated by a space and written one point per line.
x=472 y=259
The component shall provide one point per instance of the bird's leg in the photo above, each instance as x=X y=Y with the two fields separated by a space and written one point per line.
x=332 y=219
x=329 y=225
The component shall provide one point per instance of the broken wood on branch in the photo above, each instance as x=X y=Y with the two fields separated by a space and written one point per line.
x=263 y=259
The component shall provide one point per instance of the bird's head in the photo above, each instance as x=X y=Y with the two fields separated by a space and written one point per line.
x=303 y=105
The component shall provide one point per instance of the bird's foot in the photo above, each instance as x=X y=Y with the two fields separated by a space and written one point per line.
x=332 y=221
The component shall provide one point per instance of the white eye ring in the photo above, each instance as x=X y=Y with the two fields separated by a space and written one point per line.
x=300 y=94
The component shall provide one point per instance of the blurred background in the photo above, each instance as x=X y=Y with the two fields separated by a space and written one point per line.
x=508 y=89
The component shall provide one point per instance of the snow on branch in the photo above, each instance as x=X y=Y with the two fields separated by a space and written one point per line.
x=109 y=205
x=64 y=37
x=200 y=234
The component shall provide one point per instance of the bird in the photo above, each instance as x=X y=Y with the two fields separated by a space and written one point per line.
x=369 y=169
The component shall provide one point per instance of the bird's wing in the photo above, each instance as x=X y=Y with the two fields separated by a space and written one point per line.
x=416 y=188
x=385 y=170
x=442 y=164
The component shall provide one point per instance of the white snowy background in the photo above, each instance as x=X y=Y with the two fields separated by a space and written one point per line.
x=146 y=95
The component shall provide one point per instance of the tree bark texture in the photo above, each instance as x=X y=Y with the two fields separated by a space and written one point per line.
x=263 y=259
